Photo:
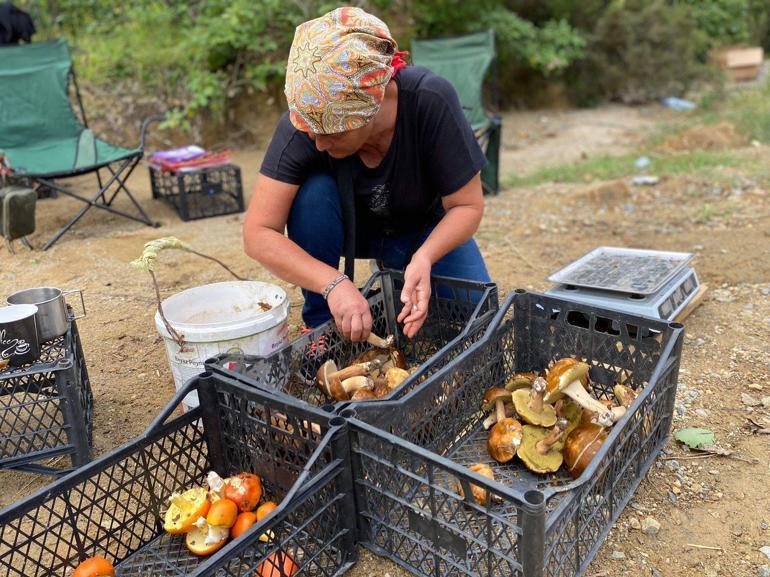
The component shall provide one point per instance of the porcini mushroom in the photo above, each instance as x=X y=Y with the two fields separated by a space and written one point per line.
x=395 y=376
x=569 y=377
x=625 y=395
x=332 y=386
x=480 y=494
x=530 y=407
x=504 y=440
x=363 y=395
x=539 y=449
x=520 y=381
x=357 y=370
x=582 y=445
x=379 y=342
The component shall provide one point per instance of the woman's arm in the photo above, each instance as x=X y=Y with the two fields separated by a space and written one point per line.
x=264 y=241
x=464 y=210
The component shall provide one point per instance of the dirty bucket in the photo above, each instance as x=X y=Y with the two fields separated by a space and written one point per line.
x=227 y=317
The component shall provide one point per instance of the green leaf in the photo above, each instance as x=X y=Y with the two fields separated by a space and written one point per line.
x=695 y=437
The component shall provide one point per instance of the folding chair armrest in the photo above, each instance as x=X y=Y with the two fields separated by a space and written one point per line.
x=146 y=123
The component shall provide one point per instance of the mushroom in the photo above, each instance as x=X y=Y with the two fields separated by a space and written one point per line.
x=616 y=411
x=395 y=376
x=520 y=381
x=385 y=353
x=333 y=386
x=530 y=407
x=379 y=342
x=495 y=398
x=569 y=377
x=625 y=395
x=380 y=387
x=510 y=411
x=582 y=445
x=504 y=440
x=572 y=412
x=540 y=449
x=363 y=395
x=480 y=494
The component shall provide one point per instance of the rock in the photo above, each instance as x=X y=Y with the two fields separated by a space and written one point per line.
x=672 y=497
x=763 y=571
x=651 y=527
x=766 y=402
x=765 y=551
x=766 y=291
x=634 y=523
x=673 y=465
x=749 y=401
x=755 y=387
x=618 y=555
x=682 y=410
x=703 y=413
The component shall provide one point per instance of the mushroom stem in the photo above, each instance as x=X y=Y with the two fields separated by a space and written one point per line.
x=536 y=395
x=610 y=416
x=379 y=342
x=577 y=393
x=553 y=437
x=492 y=418
x=353 y=384
x=356 y=370
x=500 y=410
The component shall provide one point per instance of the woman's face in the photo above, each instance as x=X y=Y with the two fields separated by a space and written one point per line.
x=342 y=144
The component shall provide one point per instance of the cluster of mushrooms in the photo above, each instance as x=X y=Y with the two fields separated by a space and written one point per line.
x=563 y=423
x=371 y=376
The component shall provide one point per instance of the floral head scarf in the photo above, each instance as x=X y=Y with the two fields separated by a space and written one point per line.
x=339 y=66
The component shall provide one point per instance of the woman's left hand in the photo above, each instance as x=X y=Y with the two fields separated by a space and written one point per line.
x=415 y=295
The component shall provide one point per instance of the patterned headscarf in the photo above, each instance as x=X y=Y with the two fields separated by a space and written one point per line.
x=339 y=66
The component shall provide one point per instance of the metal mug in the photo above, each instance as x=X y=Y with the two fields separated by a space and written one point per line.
x=19 y=344
x=52 y=318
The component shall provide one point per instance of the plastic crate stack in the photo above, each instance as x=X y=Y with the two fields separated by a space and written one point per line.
x=459 y=311
x=410 y=454
x=113 y=507
x=46 y=409
x=202 y=193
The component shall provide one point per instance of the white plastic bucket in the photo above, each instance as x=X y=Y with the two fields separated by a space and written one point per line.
x=250 y=317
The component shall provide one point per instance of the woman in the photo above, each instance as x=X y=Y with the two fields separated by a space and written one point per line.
x=391 y=139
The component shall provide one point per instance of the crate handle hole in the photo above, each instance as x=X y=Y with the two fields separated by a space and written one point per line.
x=578 y=319
x=336 y=422
x=534 y=497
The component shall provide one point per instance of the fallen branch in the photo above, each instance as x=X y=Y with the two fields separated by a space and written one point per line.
x=708 y=547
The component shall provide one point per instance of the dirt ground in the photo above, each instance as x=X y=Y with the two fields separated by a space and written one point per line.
x=714 y=512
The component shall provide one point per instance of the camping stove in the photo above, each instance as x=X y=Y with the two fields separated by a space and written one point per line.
x=647 y=282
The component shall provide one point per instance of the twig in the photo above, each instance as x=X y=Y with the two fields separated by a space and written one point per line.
x=219 y=262
x=175 y=335
x=693 y=545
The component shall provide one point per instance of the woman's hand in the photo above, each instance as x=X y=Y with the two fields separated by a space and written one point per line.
x=351 y=311
x=415 y=294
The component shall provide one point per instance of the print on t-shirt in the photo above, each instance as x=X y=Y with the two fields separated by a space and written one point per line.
x=379 y=200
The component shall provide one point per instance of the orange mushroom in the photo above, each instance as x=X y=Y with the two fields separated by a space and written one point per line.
x=94 y=567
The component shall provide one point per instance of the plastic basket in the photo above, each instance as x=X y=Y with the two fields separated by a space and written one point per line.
x=201 y=193
x=111 y=507
x=46 y=409
x=409 y=454
x=457 y=309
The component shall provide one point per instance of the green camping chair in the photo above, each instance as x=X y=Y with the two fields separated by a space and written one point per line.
x=43 y=138
x=464 y=61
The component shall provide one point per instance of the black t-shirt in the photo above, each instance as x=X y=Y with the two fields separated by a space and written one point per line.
x=433 y=154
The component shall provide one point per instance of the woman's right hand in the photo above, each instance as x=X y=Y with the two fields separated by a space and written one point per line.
x=351 y=311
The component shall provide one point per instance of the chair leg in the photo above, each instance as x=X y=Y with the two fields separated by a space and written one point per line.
x=26 y=243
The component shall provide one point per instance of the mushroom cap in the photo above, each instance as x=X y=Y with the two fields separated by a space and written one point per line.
x=492 y=396
x=395 y=376
x=371 y=355
x=564 y=372
x=625 y=395
x=520 y=381
x=479 y=493
x=380 y=387
x=504 y=440
x=336 y=390
x=398 y=358
x=322 y=377
x=528 y=453
x=582 y=445
x=545 y=418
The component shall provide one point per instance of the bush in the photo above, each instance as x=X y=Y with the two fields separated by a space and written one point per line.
x=723 y=22
x=642 y=50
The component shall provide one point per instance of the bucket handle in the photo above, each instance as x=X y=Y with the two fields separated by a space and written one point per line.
x=147 y=262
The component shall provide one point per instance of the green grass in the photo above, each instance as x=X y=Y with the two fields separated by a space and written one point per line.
x=615 y=167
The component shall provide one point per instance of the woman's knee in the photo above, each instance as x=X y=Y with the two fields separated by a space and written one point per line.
x=318 y=194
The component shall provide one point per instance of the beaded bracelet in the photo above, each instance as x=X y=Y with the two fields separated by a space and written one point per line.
x=337 y=280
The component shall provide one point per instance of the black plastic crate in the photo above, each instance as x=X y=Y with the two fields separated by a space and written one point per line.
x=458 y=309
x=201 y=193
x=409 y=454
x=46 y=409
x=111 y=507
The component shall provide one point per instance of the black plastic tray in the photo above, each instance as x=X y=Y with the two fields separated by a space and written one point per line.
x=409 y=454
x=111 y=507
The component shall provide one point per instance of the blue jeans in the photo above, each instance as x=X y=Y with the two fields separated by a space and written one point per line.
x=315 y=224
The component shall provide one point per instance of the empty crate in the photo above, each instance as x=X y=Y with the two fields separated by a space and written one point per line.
x=409 y=454
x=200 y=193
x=112 y=507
